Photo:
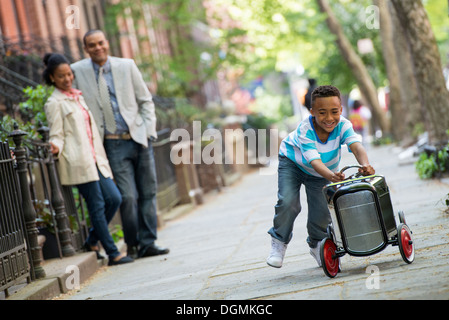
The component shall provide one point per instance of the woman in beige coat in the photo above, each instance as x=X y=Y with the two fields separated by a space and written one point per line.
x=75 y=139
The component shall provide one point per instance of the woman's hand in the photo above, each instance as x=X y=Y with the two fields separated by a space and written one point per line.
x=53 y=148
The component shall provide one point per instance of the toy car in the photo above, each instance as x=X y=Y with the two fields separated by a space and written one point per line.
x=363 y=221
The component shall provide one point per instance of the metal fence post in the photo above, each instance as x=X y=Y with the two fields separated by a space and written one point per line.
x=28 y=208
x=57 y=199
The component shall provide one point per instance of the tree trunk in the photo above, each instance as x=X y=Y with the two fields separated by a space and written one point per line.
x=414 y=115
x=427 y=66
x=364 y=81
x=395 y=103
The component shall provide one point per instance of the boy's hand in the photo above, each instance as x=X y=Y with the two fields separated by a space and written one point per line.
x=337 y=177
x=367 y=170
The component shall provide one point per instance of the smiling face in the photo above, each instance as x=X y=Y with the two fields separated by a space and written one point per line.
x=327 y=112
x=62 y=77
x=97 y=47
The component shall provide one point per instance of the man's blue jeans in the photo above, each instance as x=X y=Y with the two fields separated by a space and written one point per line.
x=103 y=200
x=134 y=172
x=290 y=180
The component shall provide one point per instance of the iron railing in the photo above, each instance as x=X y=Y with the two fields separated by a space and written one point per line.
x=14 y=265
x=168 y=193
x=20 y=252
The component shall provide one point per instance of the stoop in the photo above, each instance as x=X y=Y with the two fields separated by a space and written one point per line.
x=60 y=277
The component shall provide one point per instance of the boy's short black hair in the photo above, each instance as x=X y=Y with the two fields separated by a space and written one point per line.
x=325 y=91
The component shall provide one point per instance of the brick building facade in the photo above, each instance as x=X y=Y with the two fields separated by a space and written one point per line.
x=31 y=28
x=37 y=26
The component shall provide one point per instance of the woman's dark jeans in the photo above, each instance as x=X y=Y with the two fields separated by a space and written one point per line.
x=103 y=200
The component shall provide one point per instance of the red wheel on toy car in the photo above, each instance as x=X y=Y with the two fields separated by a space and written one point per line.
x=329 y=260
x=406 y=245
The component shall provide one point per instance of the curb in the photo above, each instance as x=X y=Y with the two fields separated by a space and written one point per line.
x=60 y=277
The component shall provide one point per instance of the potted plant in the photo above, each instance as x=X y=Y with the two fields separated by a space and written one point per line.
x=46 y=227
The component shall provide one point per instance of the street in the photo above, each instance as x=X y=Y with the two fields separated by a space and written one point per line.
x=218 y=251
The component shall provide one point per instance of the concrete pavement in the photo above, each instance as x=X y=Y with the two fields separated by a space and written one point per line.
x=218 y=250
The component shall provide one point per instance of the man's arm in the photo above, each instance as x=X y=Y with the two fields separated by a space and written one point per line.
x=144 y=101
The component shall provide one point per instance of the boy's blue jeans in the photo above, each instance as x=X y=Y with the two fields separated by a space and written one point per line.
x=290 y=180
x=103 y=200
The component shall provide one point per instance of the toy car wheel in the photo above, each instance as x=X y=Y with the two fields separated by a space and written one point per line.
x=329 y=261
x=405 y=242
x=330 y=232
x=402 y=217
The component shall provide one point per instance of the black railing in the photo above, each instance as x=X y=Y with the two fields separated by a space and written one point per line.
x=21 y=209
x=21 y=64
x=58 y=209
x=168 y=193
x=14 y=265
x=12 y=85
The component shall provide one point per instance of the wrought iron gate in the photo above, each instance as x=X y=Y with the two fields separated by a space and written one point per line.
x=14 y=265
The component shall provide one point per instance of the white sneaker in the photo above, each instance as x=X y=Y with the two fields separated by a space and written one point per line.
x=277 y=253
x=315 y=252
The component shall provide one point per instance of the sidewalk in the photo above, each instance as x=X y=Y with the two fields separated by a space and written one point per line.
x=60 y=272
x=218 y=250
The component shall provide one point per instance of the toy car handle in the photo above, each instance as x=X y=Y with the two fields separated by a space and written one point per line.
x=349 y=167
x=355 y=175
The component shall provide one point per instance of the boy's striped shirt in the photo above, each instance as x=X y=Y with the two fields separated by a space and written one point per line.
x=303 y=145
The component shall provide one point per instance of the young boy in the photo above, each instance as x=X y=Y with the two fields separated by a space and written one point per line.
x=310 y=155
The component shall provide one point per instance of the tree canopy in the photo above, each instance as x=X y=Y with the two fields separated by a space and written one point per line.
x=279 y=35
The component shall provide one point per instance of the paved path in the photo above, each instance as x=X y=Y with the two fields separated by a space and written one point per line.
x=218 y=251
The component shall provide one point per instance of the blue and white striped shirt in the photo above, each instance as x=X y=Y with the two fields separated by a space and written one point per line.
x=302 y=146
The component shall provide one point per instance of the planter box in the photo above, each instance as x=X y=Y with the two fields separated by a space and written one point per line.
x=50 y=249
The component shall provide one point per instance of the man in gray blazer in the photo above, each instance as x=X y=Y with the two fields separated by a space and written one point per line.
x=124 y=112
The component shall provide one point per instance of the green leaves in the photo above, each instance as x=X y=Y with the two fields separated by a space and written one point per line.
x=428 y=166
x=179 y=64
x=31 y=112
x=32 y=109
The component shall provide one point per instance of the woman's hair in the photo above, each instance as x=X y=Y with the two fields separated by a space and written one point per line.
x=325 y=91
x=52 y=61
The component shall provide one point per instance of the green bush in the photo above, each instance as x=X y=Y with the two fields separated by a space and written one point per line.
x=31 y=113
x=429 y=166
